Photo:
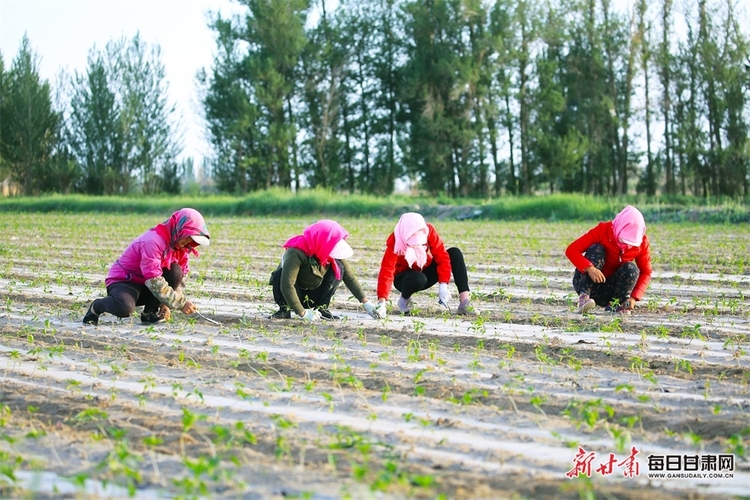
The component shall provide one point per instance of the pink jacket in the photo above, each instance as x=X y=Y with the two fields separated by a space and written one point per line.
x=144 y=259
x=147 y=256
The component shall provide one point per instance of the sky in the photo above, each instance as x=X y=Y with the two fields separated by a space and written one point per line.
x=62 y=32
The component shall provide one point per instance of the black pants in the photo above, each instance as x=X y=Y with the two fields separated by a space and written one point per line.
x=314 y=298
x=123 y=296
x=411 y=281
x=618 y=286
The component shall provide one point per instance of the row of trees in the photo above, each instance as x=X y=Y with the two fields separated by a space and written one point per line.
x=481 y=98
x=108 y=130
x=468 y=97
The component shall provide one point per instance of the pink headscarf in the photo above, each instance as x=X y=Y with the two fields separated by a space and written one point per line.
x=411 y=236
x=629 y=227
x=319 y=239
x=184 y=222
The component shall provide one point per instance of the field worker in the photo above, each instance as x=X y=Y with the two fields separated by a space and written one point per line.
x=415 y=259
x=151 y=271
x=613 y=263
x=313 y=265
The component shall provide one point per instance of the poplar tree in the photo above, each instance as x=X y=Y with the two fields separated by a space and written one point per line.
x=121 y=129
x=232 y=117
x=93 y=133
x=323 y=73
x=648 y=180
x=28 y=121
x=380 y=73
x=274 y=33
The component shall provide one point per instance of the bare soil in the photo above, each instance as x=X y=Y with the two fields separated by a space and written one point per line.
x=431 y=405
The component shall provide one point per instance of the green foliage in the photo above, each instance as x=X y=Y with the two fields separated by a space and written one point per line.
x=278 y=202
x=28 y=123
x=464 y=98
x=247 y=97
x=120 y=131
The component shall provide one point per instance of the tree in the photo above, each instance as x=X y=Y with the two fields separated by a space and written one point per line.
x=499 y=110
x=249 y=99
x=322 y=69
x=366 y=108
x=557 y=149
x=4 y=103
x=28 y=121
x=736 y=89
x=274 y=32
x=147 y=119
x=94 y=135
x=665 y=76
x=379 y=75
x=436 y=95
x=232 y=117
x=644 y=32
x=467 y=97
x=121 y=129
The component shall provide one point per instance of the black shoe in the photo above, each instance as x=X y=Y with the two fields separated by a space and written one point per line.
x=151 y=318
x=326 y=314
x=91 y=318
x=282 y=314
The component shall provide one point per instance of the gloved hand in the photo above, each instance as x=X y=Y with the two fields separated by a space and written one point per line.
x=376 y=311
x=380 y=311
x=369 y=308
x=444 y=295
x=310 y=315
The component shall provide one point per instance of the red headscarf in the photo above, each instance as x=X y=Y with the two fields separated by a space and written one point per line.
x=319 y=239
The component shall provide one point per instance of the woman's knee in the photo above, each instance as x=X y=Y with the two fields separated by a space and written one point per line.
x=596 y=254
x=455 y=254
x=121 y=299
x=410 y=281
x=630 y=269
x=122 y=307
x=173 y=275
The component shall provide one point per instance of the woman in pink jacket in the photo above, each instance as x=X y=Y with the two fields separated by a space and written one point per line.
x=613 y=263
x=151 y=271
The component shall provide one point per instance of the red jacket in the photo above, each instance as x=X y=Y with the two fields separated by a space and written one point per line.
x=393 y=264
x=614 y=257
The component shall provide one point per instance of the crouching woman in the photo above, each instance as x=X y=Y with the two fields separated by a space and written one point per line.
x=151 y=271
x=613 y=264
x=312 y=267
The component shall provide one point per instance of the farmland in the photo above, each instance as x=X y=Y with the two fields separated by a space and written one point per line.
x=427 y=406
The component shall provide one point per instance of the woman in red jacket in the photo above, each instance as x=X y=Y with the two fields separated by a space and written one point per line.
x=613 y=263
x=415 y=259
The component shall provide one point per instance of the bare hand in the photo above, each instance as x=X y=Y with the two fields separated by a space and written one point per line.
x=596 y=275
x=630 y=303
x=164 y=312
x=189 y=308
